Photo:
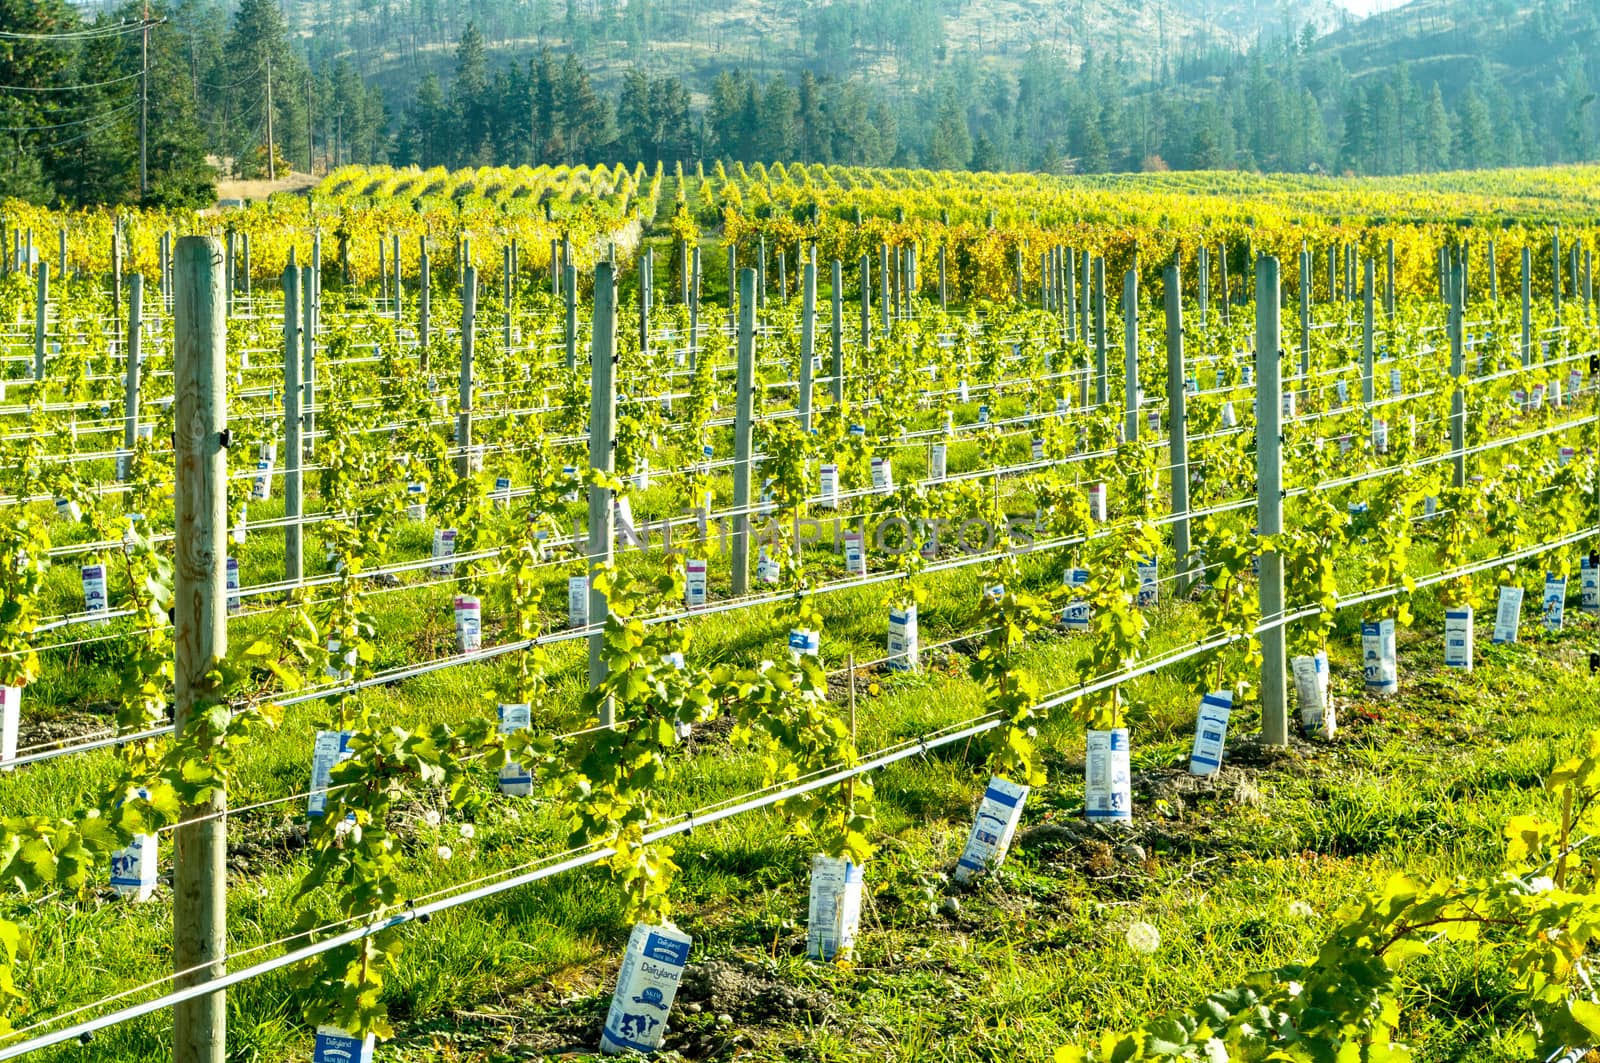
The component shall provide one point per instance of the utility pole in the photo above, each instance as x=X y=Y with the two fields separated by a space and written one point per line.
x=272 y=166
x=144 y=108
x=311 y=151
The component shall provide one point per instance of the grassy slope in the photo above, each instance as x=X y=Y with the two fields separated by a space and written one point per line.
x=1006 y=971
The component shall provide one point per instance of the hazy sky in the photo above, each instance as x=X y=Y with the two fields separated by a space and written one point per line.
x=1367 y=7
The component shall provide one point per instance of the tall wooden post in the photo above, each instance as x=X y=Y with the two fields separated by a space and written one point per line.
x=310 y=288
x=692 y=297
x=885 y=306
x=1269 y=513
x=1069 y=278
x=1177 y=428
x=1099 y=331
x=1494 y=275
x=130 y=395
x=1527 y=307
x=836 y=369
x=293 y=554
x=116 y=275
x=41 y=306
x=505 y=298
x=424 y=305
x=866 y=302
x=1555 y=270
x=398 y=292
x=469 y=314
x=1305 y=312
x=743 y=404
x=1222 y=261
x=570 y=294
x=1130 y=352
x=1458 y=369
x=647 y=268
x=1388 y=284
x=601 y=543
x=1368 y=340
x=200 y=635
x=808 y=339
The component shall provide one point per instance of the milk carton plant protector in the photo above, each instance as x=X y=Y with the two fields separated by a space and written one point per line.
x=1308 y=547
x=1011 y=755
x=1461 y=519
x=1116 y=635
x=1221 y=677
x=783 y=711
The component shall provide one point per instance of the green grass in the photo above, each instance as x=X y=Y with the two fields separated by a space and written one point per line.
x=1029 y=958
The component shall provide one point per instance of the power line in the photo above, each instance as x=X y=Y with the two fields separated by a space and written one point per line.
x=87 y=34
x=68 y=88
x=66 y=125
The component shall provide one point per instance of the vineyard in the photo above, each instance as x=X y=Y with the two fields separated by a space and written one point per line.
x=803 y=613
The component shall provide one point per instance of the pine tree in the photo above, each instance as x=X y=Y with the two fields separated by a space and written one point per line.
x=951 y=145
x=30 y=62
x=1435 y=145
x=776 y=126
x=635 y=125
x=1474 y=141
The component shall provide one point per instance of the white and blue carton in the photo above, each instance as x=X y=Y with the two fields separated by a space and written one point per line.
x=94 y=588
x=341 y=667
x=1555 y=601
x=1108 y=777
x=882 y=475
x=515 y=780
x=133 y=867
x=694 y=583
x=1508 y=615
x=469 y=623
x=1378 y=662
x=992 y=828
x=444 y=548
x=1211 y=732
x=652 y=969
x=1458 y=637
x=1149 y=582
x=803 y=641
x=1077 y=612
x=828 y=486
x=855 y=554
x=938 y=461
x=904 y=648
x=328 y=749
x=767 y=568
x=334 y=1045
x=1311 y=689
x=835 y=912
x=234 y=603
x=416 y=508
x=577 y=601
x=1097 y=501
x=1589 y=580
x=261 y=485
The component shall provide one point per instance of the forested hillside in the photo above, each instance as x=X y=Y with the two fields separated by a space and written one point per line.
x=1083 y=86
